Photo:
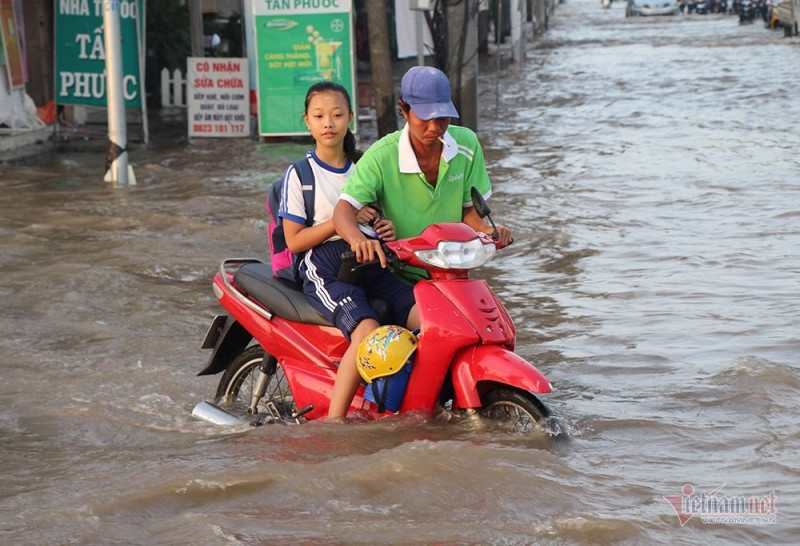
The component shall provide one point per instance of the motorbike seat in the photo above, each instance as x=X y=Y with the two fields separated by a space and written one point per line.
x=286 y=299
x=280 y=297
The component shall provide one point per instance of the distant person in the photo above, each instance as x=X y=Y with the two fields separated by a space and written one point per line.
x=211 y=43
x=328 y=115
x=420 y=175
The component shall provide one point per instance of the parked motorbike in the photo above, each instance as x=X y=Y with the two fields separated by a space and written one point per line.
x=464 y=363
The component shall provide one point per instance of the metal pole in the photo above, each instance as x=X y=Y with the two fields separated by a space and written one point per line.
x=250 y=53
x=140 y=35
x=516 y=31
x=420 y=44
x=499 y=35
x=117 y=158
x=196 y=27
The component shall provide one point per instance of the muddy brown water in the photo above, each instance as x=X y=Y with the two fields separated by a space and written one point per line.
x=649 y=170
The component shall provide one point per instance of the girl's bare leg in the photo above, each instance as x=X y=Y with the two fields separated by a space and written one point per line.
x=347 y=377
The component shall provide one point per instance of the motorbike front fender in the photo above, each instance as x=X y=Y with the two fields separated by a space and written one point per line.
x=496 y=364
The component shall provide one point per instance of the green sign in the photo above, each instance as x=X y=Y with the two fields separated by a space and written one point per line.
x=298 y=43
x=80 y=51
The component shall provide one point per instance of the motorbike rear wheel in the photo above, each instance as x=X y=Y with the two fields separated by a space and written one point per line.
x=235 y=390
x=520 y=411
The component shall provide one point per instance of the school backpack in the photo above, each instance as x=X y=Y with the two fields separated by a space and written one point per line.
x=285 y=265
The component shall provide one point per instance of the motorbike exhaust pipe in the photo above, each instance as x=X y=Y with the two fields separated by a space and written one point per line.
x=214 y=414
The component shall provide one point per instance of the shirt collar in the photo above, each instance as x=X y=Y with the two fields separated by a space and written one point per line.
x=408 y=161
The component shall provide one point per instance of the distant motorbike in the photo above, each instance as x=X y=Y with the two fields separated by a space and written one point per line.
x=747 y=11
x=702 y=7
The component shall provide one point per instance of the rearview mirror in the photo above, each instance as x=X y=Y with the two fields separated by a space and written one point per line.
x=479 y=203
x=483 y=209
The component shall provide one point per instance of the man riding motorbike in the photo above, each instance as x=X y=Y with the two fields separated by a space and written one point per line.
x=420 y=175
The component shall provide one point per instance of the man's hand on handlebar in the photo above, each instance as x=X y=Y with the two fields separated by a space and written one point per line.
x=505 y=237
x=471 y=218
x=368 y=250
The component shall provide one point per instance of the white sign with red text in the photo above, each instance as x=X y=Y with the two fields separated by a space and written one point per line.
x=218 y=96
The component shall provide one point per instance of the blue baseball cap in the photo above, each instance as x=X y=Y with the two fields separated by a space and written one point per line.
x=427 y=91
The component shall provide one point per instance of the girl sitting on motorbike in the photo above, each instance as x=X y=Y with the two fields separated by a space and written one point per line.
x=328 y=115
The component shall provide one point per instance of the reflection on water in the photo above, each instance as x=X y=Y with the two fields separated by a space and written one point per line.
x=647 y=167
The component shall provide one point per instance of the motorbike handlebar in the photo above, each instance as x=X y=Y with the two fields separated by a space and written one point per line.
x=350 y=269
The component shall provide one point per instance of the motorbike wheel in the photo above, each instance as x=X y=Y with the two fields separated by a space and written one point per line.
x=239 y=381
x=518 y=410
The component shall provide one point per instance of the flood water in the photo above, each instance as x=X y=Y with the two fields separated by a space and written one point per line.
x=649 y=170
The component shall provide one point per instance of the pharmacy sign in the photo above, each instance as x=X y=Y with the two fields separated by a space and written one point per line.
x=298 y=43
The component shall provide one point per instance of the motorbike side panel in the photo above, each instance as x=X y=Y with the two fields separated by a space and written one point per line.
x=481 y=308
x=310 y=385
x=284 y=339
x=313 y=385
x=307 y=353
x=492 y=363
x=444 y=331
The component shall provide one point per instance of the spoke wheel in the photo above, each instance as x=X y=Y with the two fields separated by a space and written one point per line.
x=238 y=383
x=516 y=410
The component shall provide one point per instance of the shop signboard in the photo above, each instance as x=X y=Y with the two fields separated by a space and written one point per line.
x=218 y=92
x=298 y=43
x=80 y=52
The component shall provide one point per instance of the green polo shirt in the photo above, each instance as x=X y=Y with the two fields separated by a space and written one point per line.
x=389 y=174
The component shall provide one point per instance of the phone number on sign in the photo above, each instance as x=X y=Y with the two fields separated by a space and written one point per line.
x=236 y=128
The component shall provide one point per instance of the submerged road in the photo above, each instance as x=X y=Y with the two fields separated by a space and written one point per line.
x=648 y=168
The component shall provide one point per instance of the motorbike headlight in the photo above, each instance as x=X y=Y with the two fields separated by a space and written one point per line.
x=458 y=255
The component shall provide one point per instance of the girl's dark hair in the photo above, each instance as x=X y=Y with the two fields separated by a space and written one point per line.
x=349 y=139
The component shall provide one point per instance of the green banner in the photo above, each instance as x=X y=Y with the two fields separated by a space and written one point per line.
x=298 y=43
x=80 y=52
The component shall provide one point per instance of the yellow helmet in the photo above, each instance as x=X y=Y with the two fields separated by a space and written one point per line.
x=384 y=352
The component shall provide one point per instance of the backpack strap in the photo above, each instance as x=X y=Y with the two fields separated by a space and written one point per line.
x=380 y=397
x=306 y=175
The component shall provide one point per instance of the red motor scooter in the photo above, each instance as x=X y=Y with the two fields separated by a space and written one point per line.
x=464 y=360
